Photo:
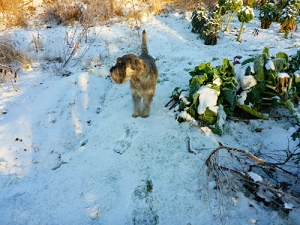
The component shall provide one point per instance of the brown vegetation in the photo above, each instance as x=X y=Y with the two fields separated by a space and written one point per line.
x=66 y=12
x=9 y=54
x=13 y=13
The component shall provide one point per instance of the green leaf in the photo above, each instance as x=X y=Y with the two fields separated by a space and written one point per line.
x=266 y=51
x=282 y=55
x=248 y=71
x=280 y=64
x=195 y=83
x=228 y=91
x=226 y=69
x=209 y=117
x=259 y=67
x=252 y=112
x=208 y=69
x=271 y=77
x=175 y=93
x=245 y=14
x=255 y=95
x=216 y=129
x=248 y=61
x=196 y=99
x=192 y=112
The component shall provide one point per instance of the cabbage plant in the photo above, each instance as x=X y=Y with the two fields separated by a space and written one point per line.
x=288 y=18
x=267 y=15
x=245 y=15
x=232 y=6
x=263 y=81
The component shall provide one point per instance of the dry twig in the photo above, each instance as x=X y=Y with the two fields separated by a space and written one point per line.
x=273 y=184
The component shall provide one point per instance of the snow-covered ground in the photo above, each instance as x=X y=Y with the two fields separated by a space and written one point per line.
x=72 y=154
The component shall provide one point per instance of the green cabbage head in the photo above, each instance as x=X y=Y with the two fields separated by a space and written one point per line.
x=245 y=14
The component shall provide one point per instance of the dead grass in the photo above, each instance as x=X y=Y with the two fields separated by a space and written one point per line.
x=64 y=12
x=93 y=12
x=9 y=55
x=157 y=6
x=98 y=12
x=13 y=13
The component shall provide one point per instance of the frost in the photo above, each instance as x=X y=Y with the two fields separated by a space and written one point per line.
x=270 y=65
x=208 y=97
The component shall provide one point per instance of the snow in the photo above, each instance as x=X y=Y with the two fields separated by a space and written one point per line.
x=72 y=154
x=247 y=82
x=222 y=116
x=288 y=206
x=187 y=117
x=242 y=98
x=283 y=75
x=208 y=98
x=248 y=11
x=270 y=65
x=255 y=177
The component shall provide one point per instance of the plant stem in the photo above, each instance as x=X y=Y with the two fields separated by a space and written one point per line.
x=240 y=33
x=229 y=20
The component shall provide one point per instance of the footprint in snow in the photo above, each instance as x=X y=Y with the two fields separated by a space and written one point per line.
x=125 y=143
x=144 y=213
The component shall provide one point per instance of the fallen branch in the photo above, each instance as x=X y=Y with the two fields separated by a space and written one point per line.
x=254 y=174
